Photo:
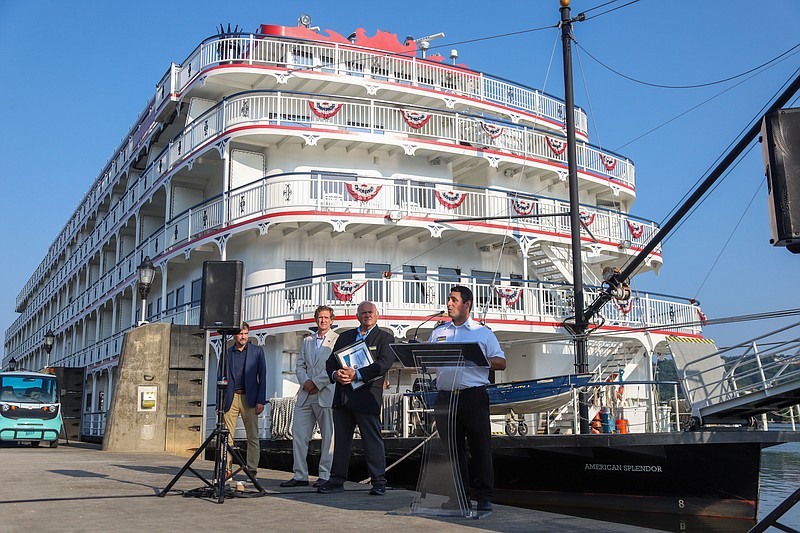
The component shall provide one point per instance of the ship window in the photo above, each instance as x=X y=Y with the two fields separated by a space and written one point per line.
x=158 y=306
x=515 y=277
x=447 y=278
x=197 y=292
x=337 y=270
x=374 y=271
x=180 y=296
x=298 y=279
x=170 y=301
x=414 y=286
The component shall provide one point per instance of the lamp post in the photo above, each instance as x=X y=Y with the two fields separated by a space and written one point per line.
x=49 y=339
x=146 y=272
x=12 y=364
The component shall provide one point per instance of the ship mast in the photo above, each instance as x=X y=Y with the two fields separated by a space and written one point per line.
x=580 y=326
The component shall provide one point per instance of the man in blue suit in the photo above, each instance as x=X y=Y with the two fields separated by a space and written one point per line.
x=246 y=393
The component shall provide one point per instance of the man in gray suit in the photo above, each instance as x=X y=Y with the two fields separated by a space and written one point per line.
x=314 y=400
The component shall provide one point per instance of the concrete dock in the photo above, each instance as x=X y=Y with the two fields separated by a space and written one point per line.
x=81 y=488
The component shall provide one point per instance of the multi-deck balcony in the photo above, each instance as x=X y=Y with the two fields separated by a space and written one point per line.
x=292 y=57
x=339 y=200
x=285 y=113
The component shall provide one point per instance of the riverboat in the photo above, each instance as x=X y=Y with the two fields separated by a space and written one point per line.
x=348 y=168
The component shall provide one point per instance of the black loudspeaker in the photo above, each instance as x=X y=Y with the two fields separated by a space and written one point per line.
x=221 y=301
x=780 y=135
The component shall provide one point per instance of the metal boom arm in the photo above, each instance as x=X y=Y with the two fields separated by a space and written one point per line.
x=605 y=296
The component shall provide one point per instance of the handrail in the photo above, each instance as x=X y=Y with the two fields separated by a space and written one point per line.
x=749 y=372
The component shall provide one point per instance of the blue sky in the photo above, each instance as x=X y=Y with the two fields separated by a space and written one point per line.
x=76 y=75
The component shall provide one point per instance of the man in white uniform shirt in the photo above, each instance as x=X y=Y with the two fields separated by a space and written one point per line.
x=470 y=381
x=314 y=401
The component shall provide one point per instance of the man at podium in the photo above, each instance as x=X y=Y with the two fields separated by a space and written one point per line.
x=469 y=382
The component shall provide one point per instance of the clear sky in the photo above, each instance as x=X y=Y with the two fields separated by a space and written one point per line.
x=75 y=75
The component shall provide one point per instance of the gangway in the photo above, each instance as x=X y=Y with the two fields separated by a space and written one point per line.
x=734 y=385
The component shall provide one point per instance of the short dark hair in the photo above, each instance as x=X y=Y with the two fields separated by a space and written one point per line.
x=465 y=292
x=323 y=308
x=245 y=325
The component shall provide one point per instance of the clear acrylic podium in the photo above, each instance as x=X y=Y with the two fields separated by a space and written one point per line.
x=440 y=487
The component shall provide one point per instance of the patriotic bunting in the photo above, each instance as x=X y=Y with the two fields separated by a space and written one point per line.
x=635 y=228
x=492 y=130
x=608 y=162
x=587 y=218
x=451 y=199
x=363 y=192
x=510 y=294
x=624 y=309
x=415 y=119
x=556 y=145
x=523 y=207
x=324 y=109
x=344 y=290
x=702 y=317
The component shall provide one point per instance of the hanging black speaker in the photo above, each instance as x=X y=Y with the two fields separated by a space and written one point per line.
x=221 y=301
x=780 y=135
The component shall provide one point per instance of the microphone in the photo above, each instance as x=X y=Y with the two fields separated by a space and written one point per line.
x=427 y=319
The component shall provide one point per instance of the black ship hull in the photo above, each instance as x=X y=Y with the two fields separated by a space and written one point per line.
x=705 y=473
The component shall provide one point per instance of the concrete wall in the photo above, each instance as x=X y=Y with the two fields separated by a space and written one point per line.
x=143 y=363
x=157 y=403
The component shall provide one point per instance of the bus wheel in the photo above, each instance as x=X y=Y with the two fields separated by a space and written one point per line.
x=54 y=444
x=35 y=443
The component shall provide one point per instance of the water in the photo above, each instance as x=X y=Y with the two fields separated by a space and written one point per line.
x=780 y=477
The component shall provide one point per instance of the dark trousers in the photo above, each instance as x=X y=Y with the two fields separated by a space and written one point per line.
x=344 y=424
x=471 y=426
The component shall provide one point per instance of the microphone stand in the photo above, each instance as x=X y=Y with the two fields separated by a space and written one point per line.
x=427 y=319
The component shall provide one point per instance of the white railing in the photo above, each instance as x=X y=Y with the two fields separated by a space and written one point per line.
x=348 y=60
x=277 y=303
x=328 y=193
x=753 y=370
x=374 y=116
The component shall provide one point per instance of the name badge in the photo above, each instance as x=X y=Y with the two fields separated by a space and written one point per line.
x=373 y=348
x=441 y=339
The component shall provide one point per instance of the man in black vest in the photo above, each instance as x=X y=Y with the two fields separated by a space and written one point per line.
x=360 y=406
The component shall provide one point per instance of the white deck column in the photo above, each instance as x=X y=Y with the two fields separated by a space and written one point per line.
x=110 y=387
x=93 y=406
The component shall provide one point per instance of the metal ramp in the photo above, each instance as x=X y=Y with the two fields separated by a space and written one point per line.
x=733 y=386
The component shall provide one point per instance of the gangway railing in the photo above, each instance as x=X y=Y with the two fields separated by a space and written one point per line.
x=734 y=384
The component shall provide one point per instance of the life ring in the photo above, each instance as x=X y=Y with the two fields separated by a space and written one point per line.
x=597 y=425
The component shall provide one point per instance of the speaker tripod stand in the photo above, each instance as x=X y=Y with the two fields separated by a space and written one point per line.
x=215 y=487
